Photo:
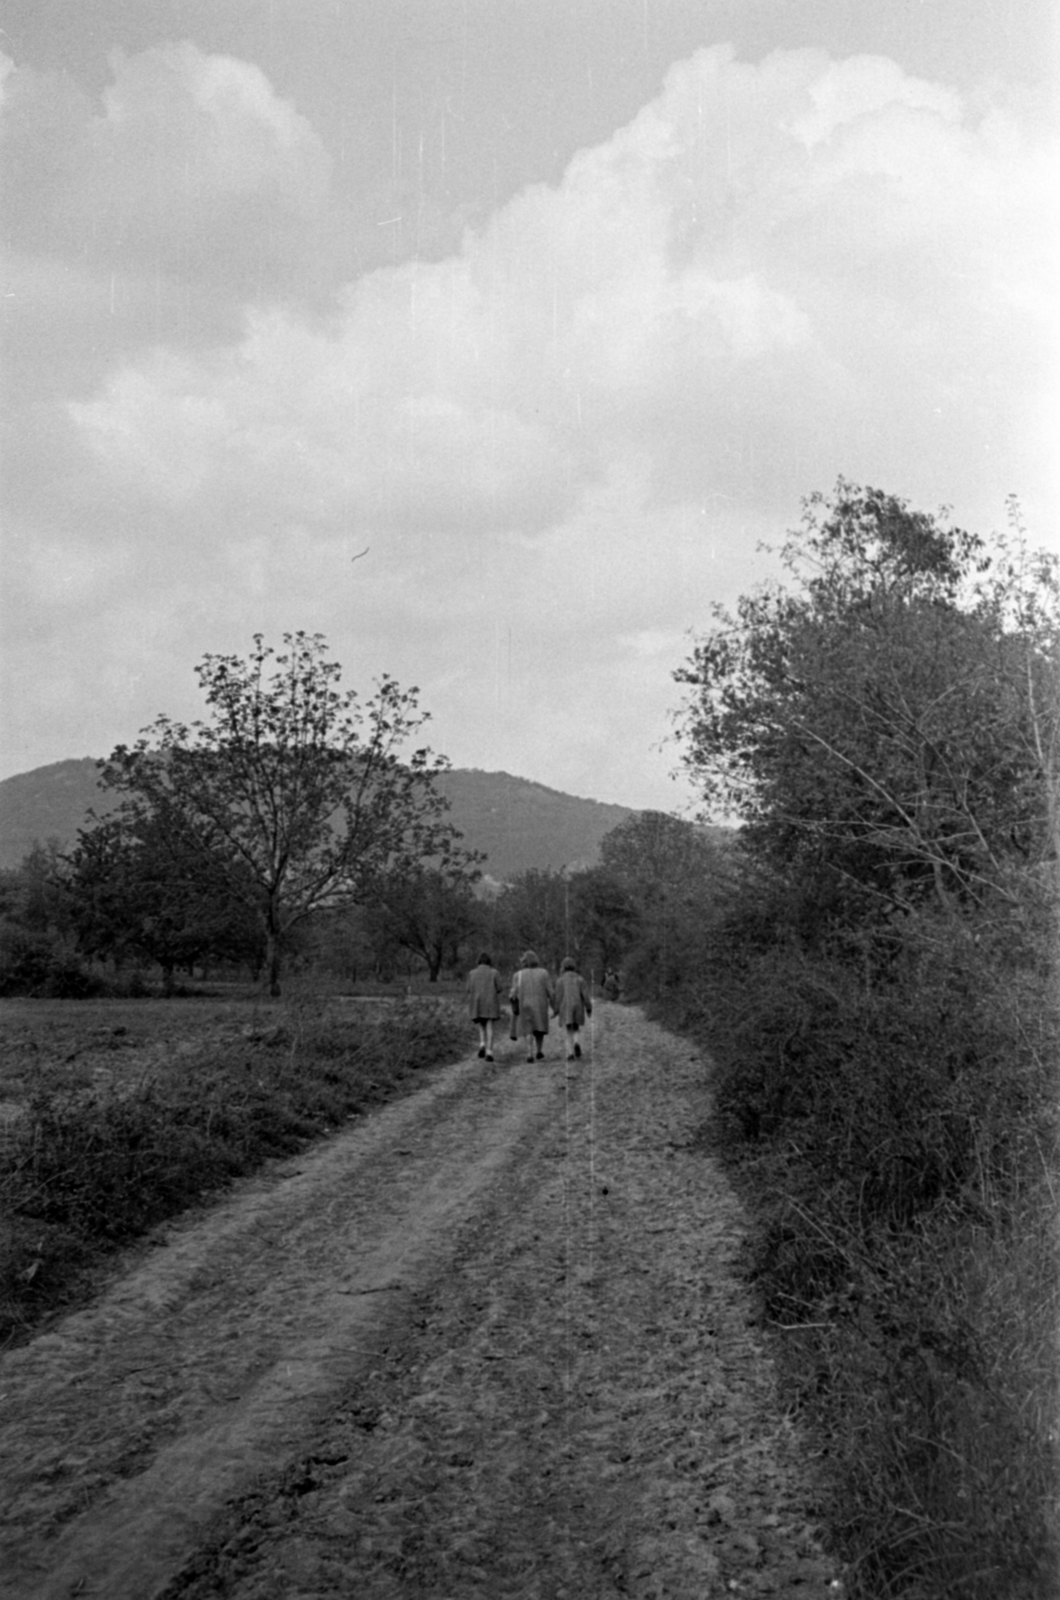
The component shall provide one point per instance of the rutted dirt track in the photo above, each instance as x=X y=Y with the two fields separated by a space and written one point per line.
x=488 y=1342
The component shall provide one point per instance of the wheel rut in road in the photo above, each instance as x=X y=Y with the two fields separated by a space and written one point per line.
x=489 y=1341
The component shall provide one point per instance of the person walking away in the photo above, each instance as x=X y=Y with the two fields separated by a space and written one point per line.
x=573 y=1005
x=484 y=990
x=533 y=994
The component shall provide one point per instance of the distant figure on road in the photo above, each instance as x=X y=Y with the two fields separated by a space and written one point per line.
x=573 y=1004
x=532 y=994
x=484 y=990
x=612 y=984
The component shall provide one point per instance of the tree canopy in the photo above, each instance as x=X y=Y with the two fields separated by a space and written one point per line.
x=886 y=717
x=137 y=885
x=430 y=912
x=293 y=793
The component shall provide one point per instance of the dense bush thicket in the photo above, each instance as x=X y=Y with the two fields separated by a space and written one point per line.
x=84 y=1170
x=40 y=964
x=895 y=1136
x=874 y=974
x=38 y=951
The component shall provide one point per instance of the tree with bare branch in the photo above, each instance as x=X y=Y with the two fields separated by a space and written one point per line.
x=295 y=791
x=886 y=719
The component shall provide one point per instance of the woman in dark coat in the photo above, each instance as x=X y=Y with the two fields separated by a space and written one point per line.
x=532 y=993
x=484 y=989
x=573 y=1004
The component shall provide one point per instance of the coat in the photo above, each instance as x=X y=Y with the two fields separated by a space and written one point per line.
x=484 y=989
x=532 y=987
x=573 y=1004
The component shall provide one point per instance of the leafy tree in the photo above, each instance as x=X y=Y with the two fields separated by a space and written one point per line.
x=33 y=894
x=12 y=895
x=668 y=871
x=140 y=886
x=589 y=915
x=294 y=791
x=652 y=854
x=534 y=911
x=885 y=722
x=43 y=873
x=605 y=917
x=338 y=940
x=430 y=911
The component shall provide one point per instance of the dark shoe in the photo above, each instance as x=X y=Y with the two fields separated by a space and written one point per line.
x=578 y=1051
x=541 y=1055
x=481 y=1051
x=488 y=1056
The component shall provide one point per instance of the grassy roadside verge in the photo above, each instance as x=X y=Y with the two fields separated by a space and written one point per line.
x=896 y=1145
x=87 y=1168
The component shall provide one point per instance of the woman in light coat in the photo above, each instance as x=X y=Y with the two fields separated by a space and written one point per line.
x=573 y=1004
x=532 y=993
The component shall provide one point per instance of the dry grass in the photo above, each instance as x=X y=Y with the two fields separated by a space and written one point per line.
x=898 y=1147
x=115 y=1125
x=928 y=1374
x=105 y=1040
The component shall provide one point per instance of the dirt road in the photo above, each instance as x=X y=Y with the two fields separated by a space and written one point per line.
x=487 y=1342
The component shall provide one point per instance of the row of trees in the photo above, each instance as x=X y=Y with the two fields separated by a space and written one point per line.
x=291 y=797
x=293 y=820
x=289 y=801
x=136 y=896
x=641 y=900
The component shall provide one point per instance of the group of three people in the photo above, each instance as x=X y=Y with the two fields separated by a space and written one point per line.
x=532 y=997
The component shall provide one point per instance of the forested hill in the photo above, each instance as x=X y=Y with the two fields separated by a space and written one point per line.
x=517 y=823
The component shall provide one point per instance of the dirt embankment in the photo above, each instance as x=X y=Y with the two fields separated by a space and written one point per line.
x=489 y=1342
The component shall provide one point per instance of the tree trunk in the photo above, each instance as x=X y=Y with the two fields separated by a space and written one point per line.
x=272 y=962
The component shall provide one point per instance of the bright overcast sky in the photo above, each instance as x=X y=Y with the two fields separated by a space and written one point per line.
x=558 y=307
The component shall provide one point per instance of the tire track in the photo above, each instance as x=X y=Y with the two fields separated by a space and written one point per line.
x=490 y=1342
x=124 y=1430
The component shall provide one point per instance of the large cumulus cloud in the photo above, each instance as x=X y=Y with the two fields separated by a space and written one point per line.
x=192 y=168
x=732 y=287
x=775 y=273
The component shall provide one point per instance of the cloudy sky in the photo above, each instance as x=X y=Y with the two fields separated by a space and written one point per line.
x=557 y=307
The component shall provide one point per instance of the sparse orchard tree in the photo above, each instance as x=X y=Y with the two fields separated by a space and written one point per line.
x=429 y=911
x=298 y=793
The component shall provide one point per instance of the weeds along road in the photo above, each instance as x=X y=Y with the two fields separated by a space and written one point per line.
x=488 y=1342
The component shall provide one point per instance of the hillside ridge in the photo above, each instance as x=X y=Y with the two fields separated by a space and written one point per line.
x=518 y=823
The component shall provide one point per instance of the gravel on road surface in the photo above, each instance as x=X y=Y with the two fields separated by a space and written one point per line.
x=490 y=1341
